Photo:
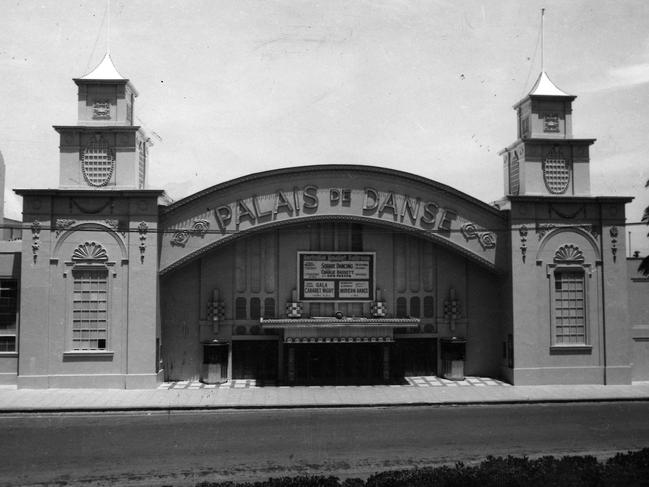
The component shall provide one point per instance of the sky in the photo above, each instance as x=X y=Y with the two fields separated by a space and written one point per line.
x=233 y=87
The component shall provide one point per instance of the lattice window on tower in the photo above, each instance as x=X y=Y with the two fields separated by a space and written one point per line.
x=556 y=173
x=97 y=162
x=514 y=174
x=141 y=164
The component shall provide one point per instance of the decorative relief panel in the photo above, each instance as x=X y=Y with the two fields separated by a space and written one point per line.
x=569 y=253
x=101 y=110
x=614 y=234
x=36 y=236
x=89 y=251
x=142 y=229
x=199 y=229
x=487 y=239
x=522 y=231
x=63 y=224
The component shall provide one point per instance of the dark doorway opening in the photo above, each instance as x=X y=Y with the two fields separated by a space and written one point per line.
x=338 y=364
x=412 y=357
x=255 y=360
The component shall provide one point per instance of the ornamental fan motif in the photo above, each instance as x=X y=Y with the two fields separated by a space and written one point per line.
x=89 y=251
x=569 y=253
x=556 y=173
x=97 y=162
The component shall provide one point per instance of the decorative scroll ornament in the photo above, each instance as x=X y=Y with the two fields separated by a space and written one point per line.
x=142 y=229
x=543 y=228
x=180 y=238
x=199 y=228
x=469 y=231
x=63 y=224
x=97 y=162
x=569 y=253
x=523 y=233
x=90 y=252
x=556 y=172
x=486 y=239
x=614 y=234
x=36 y=236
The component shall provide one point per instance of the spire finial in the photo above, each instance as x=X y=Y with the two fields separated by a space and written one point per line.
x=542 y=60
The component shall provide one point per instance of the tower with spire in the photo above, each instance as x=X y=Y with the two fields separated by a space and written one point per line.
x=546 y=159
x=96 y=231
x=104 y=150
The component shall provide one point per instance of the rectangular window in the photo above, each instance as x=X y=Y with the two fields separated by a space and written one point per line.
x=90 y=310
x=8 y=314
x=570 y=317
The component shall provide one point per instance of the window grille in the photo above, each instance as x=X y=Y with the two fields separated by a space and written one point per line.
x=90 y=310
x=402 y=312
x=240 y=309
x=429 y=307
x=415 y=307
x=142 y=165
x=97 y=162
x=570 y=321
x=269 y=308
x=255 y=308
x=556 y=173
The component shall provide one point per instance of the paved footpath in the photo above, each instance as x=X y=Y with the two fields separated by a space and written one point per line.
x=176 y=396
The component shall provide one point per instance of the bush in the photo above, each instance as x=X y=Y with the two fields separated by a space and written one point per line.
x=629 y=469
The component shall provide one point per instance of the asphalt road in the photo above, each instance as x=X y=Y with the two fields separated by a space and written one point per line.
x=185 y=448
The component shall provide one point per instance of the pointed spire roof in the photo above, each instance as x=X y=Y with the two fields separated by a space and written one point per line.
x=545 y=87
x=105 y=70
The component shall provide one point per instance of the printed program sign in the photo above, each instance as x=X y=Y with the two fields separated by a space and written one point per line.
x=336 y=276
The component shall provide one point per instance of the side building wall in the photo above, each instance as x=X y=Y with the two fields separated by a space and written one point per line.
x=89 y=290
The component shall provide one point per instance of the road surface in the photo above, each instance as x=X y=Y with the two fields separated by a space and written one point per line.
x=182 y=448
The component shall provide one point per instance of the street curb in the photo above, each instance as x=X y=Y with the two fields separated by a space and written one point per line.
x=317 y=406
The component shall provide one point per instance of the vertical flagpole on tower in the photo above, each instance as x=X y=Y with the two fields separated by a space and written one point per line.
x=108 y=27
x=542 y=60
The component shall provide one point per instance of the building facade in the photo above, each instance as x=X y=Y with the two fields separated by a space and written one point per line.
x=333 y=274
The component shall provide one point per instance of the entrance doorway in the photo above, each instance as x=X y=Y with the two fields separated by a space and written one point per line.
x=413 y=357
x=255 y=360
x=339 y=364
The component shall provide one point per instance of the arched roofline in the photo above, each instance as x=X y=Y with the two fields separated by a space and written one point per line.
x=430 y=236
x=329 y=168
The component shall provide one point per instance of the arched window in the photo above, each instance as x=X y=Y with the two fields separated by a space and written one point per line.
x=415 y=307
x=255 y=308
x=402 y=312
x=269 y=308
x=240 y=309
x=90 y=297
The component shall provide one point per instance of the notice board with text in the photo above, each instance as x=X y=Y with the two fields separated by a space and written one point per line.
x=336 y=276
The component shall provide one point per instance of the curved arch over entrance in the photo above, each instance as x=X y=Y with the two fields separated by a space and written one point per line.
x=426 y=290
x=364 y=194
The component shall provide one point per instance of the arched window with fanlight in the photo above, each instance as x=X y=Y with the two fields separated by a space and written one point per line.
x=90 y=298
x=568 y=276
